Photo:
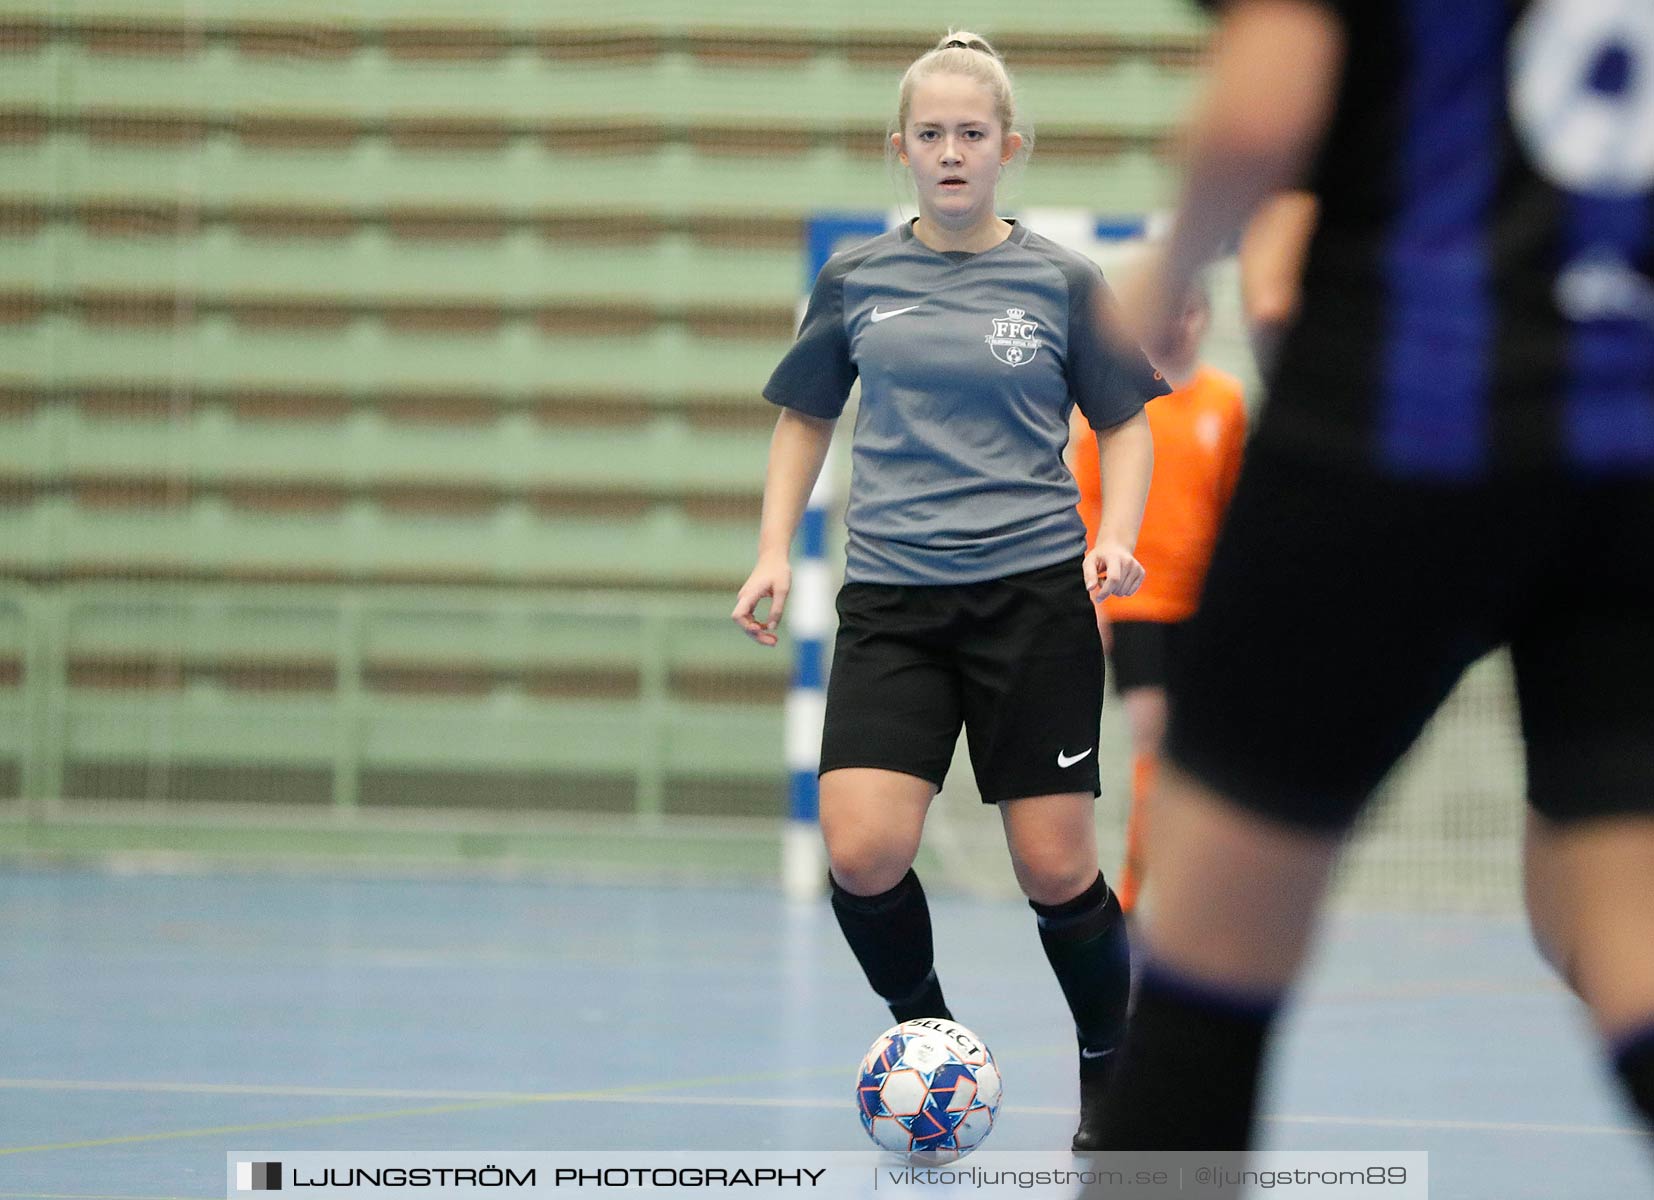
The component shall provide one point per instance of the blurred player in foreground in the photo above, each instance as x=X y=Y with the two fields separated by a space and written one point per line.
x=1198 y=431
x=1272 y=267
x=1460 y=422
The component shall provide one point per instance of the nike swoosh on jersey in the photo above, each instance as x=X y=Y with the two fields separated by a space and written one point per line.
x=895 y=312
x=1064 y=760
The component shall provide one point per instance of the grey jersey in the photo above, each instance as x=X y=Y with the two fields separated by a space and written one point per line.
x=969 y=366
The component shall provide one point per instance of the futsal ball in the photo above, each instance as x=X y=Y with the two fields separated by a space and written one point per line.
x=928 y=1089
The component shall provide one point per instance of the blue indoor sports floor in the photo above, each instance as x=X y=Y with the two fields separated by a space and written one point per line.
x=152 y=1022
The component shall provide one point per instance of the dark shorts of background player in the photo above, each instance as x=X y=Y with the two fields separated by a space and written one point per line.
x=1016 y=660
x=1342 y=606
x=1142 y=652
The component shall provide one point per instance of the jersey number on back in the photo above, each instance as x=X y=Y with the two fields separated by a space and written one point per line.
x=1582 y=93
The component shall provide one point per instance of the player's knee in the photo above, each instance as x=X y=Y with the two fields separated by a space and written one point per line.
x=1544 y=897
x=1055 y=876
x=867 y=866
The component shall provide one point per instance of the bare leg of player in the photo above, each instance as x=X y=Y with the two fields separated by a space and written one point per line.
x=1053 y=844
x=1235 y=895
x=1590 y=894
x=872 y=821
x=1546 y=892
x=1235 y=903
x=1146 y=717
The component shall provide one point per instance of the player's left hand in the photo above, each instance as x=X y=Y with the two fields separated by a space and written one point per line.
x=1112 y=570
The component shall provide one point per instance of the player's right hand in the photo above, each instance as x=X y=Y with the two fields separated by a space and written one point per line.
x=1111 y=570
x=772 y=578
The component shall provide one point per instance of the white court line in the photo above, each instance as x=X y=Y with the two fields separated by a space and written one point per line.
x=824 y=1103
x=1486 y=1126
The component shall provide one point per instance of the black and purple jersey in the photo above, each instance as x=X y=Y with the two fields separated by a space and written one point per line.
x=1478 y=297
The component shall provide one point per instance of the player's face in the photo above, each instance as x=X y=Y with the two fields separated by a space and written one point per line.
x=955 y=148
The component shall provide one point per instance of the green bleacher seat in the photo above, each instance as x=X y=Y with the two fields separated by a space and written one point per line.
x=339 y=346
x=321 y=681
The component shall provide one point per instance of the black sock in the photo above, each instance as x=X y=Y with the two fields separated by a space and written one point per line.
x=1188 y=1073
x=1085 y=940
x=890 y=936
x=1634 y=1060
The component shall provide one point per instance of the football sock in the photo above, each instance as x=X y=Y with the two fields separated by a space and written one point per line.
x=1634 y=1060
x=890 y=936
x=1188 y=1073
x=1085 y=941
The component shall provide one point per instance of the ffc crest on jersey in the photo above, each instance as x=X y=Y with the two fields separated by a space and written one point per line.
x=1012 y=340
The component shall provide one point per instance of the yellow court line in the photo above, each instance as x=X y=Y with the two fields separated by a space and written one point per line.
x=437 y=1110
x=262 y=1127
x=638 y=1094
x=255 y=1089
x=298 y=1091
x=621 y=1093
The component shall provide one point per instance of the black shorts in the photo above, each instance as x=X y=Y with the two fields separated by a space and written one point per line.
x=1016 y=660
x=1342 y=607
x=1142 y=650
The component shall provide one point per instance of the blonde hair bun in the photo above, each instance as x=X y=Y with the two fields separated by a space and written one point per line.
x=963 y=39
x=960 y=52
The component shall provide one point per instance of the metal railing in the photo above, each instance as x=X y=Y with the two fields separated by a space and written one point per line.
x=179 y=634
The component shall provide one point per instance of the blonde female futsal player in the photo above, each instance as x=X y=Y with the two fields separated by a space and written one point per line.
x=965 y=598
